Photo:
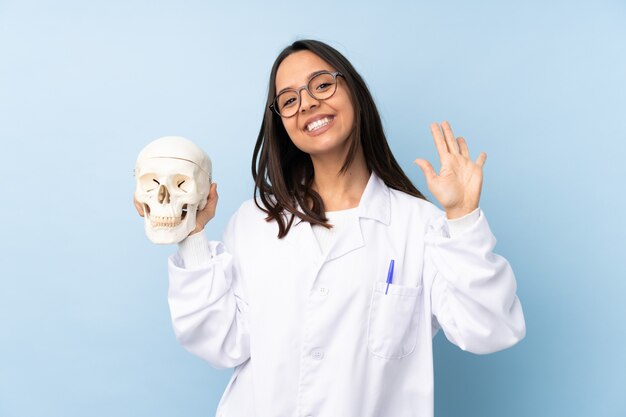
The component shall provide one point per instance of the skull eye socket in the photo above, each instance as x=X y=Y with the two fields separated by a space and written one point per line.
x=149 y=182
x=184 y=183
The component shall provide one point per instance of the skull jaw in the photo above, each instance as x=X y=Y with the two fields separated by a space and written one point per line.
x=165 y=235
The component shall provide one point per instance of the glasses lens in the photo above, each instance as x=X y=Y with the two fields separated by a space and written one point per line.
x=322 y=86
x=287 y=103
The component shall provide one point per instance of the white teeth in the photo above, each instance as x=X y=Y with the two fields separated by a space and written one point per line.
x=158 y=221
x=318 y=124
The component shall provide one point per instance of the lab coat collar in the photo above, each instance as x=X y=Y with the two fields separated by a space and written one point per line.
x=376 y=201
x=375 y=204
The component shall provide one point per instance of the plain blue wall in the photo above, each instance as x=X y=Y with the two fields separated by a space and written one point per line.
x=540 y=86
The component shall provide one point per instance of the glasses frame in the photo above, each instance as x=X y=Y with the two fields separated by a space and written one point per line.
x=274 y=107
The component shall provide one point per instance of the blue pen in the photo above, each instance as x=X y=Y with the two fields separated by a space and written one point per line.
x=389 y=275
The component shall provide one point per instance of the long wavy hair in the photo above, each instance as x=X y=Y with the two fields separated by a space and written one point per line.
x=283 y=174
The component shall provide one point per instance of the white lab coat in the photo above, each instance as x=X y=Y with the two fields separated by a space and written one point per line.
x=313 y=334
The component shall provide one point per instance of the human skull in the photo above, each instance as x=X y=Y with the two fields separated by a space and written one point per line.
x=173 y=178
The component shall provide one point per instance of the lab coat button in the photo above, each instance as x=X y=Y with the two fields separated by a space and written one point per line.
x=323 y=291
x=317 y=354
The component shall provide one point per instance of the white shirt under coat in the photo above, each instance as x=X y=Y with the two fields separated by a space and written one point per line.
x=314 y=334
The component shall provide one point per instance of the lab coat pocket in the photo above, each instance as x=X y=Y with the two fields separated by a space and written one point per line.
x=392 y=323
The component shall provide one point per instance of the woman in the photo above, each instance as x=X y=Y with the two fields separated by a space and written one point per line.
x=329 y=286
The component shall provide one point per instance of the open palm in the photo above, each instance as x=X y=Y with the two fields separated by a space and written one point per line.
x=457 y=186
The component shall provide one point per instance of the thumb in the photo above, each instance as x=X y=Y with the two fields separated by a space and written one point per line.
x=480 y=161
x=213 y=197
x=208 y=212
x=426 y=168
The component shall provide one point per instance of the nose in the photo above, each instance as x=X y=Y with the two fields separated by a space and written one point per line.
x=164 y=195
x=307 y=101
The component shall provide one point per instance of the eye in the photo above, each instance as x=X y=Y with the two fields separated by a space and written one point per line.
x=158 y=183
x=322 y=82
x=287 y=98
x=181 y=183
x=288 y=102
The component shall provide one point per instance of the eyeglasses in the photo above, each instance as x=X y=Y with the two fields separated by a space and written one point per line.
x=321 y=86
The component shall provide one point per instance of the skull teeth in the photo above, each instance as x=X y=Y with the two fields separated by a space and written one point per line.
x=157 y=221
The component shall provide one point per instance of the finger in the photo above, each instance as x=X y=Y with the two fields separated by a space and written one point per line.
x=213 y=196
x=427 y=169
x=211 y=200
x=463 y=147
x=480 y=161
x=208 y=212
x=453 y=147
x=440 y=142
x=138 y=206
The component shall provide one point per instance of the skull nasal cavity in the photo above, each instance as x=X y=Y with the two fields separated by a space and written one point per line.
x=164 y=195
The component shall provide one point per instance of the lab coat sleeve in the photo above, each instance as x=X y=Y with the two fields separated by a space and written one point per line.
x=473 y=290
x=208 y=307
x=458 y=226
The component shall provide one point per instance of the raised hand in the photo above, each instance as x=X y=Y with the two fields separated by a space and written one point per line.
x=457 y=186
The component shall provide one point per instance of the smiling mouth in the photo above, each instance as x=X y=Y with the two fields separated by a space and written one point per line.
x=318 y=124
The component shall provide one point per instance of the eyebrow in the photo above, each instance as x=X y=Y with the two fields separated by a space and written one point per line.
x=311 y=75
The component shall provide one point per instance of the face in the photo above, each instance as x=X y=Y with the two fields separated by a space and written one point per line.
x=320 y=127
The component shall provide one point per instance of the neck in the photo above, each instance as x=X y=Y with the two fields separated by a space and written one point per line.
x=340 y=191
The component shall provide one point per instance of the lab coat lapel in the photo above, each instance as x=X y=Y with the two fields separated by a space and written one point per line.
x=349 y=240
x=374 y=204
x=302 y=238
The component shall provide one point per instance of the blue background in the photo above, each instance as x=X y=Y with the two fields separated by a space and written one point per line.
x=540 y=86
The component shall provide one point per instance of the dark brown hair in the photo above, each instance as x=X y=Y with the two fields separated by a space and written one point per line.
x=283 y=174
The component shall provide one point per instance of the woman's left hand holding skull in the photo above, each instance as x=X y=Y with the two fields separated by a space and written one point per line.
x=457 y=186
